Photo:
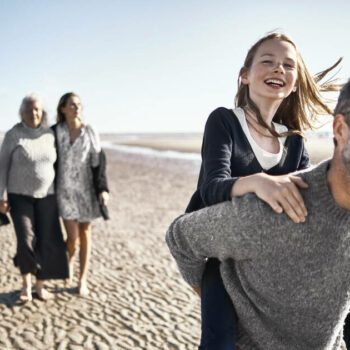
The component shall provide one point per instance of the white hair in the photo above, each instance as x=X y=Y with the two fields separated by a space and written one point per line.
x=34 y=97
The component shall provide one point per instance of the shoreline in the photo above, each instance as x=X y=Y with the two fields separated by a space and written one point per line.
x=187 y=146
x=152 y=152
x=181 y=142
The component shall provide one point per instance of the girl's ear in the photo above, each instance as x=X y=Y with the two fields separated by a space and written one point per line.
x=294 y=89
x=244 y=77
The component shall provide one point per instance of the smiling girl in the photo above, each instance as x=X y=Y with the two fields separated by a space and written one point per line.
x=244 y=149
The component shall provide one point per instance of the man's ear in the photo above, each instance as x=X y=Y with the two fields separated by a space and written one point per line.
x=340 y=130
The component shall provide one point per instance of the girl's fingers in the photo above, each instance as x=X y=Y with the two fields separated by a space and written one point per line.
x=289 y=210
x=275 y=206
x=293 y=204
x=297 y=201
x=299 y=181
x=284 y=195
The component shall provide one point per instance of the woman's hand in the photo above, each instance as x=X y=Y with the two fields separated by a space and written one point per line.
x=280 y=192
x=4 y=207
x=104 y=197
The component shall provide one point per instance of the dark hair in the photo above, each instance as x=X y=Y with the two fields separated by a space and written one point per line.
x=62 y=103
x=343 y=104
x=300 y=109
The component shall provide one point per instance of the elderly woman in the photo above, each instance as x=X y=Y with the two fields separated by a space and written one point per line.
x=79 y=195
x=27 y=174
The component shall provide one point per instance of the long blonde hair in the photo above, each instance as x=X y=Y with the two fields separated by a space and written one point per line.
x=300 y=109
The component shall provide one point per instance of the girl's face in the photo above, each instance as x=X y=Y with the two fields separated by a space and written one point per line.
x=273 y=73
x=32 y=114
x=72 y=109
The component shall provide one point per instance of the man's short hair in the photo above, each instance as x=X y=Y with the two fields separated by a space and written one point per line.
x=343 y=104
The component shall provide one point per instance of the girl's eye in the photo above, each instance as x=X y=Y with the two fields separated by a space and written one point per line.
x=267 y=62
x=289 y=66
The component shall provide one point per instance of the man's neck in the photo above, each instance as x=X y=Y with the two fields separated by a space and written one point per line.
x=338 y=179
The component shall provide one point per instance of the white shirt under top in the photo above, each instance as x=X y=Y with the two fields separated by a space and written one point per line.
x=266 y=159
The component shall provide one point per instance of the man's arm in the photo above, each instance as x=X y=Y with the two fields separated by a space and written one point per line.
x=226 y=230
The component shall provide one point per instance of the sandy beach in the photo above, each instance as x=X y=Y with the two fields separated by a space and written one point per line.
x=138 y=299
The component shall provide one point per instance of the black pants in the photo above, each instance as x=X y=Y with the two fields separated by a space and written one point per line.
x=41 y=250
x=219 y=319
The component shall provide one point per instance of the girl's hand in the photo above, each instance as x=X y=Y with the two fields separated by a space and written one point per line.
x=4 y=207
x=280 y=192
x=104 y=197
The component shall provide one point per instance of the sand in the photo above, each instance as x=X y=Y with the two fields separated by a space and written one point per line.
x=138 y=299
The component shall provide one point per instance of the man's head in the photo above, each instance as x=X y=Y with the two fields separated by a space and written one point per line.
x=341 y=126
x=343 y=104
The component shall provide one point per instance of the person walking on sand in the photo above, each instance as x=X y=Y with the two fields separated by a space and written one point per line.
x=27 y=173
x=289 y=282
x=245 y=148
x=79 y=151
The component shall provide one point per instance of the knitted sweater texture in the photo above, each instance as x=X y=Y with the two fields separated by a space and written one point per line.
x=27 y=158
x=289 y=283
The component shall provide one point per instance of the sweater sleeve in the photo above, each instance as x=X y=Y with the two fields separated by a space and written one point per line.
x=7 y=148
x=226 y=230
x=216 y=160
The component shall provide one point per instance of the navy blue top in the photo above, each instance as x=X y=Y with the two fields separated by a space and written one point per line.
x=227 y=155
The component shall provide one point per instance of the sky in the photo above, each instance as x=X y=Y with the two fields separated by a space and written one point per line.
x=155 y=65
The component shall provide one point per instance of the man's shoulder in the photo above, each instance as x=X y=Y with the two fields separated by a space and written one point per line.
x=315 y=171
x=247 y=206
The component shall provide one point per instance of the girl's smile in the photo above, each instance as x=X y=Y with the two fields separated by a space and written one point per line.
x=273 y=73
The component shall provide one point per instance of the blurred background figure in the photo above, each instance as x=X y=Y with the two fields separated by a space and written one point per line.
x=79 y=152
x=27 y=174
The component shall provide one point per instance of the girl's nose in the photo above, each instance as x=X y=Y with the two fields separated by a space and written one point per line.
x=279 y=68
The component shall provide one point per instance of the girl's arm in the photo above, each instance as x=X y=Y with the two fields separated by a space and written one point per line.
x=280 y=192
x=216 y=159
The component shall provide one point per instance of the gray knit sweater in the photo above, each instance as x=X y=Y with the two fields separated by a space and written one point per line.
x=290 y=283
x=27 y=156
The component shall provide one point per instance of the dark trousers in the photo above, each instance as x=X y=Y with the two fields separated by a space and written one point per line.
x=41 y=250
x=218 y=314
x=347 y=331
